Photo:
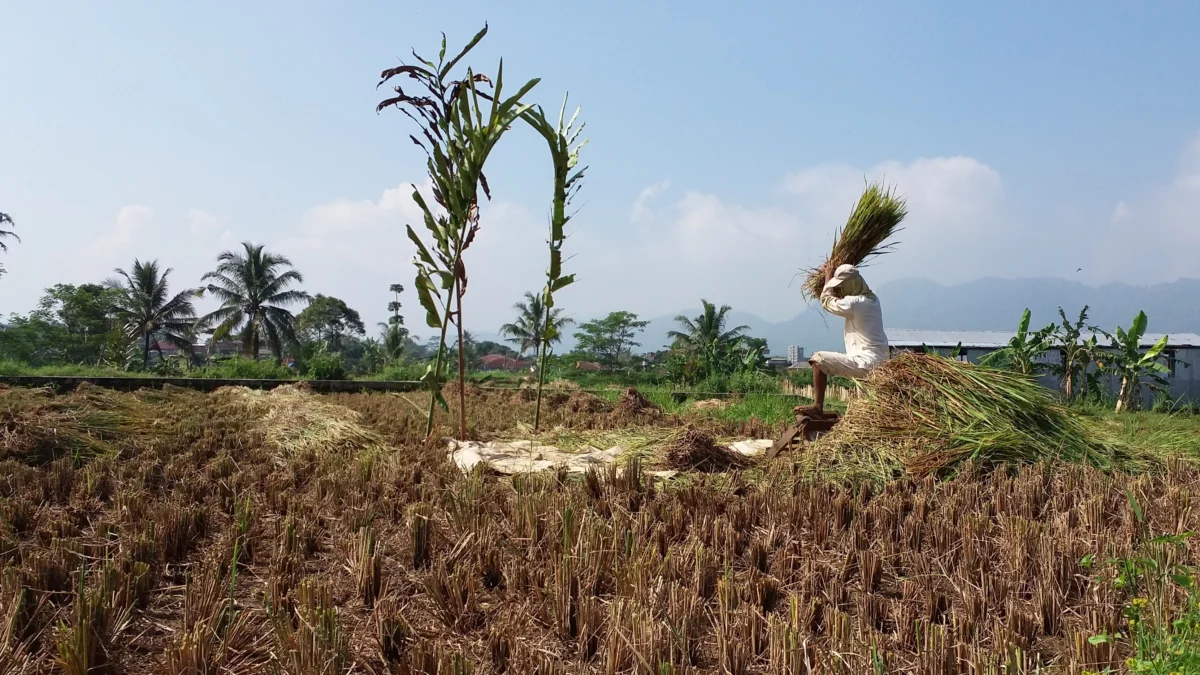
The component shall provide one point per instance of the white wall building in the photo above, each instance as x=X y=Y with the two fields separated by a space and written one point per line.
x=795 y=354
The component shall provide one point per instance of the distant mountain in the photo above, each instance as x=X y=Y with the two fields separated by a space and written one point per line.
x=983 y=304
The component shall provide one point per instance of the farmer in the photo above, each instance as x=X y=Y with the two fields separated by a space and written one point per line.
x=846 y=295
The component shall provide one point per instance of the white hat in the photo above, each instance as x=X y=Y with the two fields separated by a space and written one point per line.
x=848 y=276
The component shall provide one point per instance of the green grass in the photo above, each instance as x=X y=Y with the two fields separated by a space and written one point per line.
x=1158 y=434
x=1161 y=620
x=225 y=369
x=18 y=369
x=768 y=407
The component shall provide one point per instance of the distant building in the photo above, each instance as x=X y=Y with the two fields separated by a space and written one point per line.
x=795 y=355
x=161 y=349
x=1183 y=349
x=502 y=362
x=777 y=362
x=201 y=352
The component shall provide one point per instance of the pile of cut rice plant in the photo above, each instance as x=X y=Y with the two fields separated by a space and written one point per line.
x=633 y=404
x=873 y=222
x=583 y=402
x=296 y=420
x=694 y=450
x=927 y=414
x=38 y=426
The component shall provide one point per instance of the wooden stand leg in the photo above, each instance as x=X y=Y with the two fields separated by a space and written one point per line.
x=785 y=440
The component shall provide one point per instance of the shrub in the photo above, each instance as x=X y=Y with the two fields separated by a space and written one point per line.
x=1163 y=403
x=10 y=368
x=325 y=366
x=754 y=383
x=714 y=384
x=239 y=368
x=404 y=372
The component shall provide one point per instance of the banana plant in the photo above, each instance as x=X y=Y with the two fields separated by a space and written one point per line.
x=460 y=122
x=1090 y=383
x=1024 y=350
x=563 y=139
x=1076 y=353
x=954 y=354
x=1132 y=365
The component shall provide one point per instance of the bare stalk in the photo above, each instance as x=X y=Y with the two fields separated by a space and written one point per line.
x=560 y=138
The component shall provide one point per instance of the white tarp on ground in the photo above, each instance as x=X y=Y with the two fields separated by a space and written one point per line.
x=510 y=457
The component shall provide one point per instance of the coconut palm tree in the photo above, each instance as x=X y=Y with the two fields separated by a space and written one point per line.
x=705 y=338
x=253 y=288
x=144 y=307
x=392 y=338
x=528 y=330
x=5 y=219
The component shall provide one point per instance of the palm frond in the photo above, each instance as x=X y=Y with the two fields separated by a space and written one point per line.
x=287 y=298
x=275 y=284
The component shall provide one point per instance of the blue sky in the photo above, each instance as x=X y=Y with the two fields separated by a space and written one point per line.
x=727 y=142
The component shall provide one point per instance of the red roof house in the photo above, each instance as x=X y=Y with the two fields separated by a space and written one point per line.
x=502 y=362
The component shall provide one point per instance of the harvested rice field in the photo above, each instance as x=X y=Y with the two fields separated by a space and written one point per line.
x=287 y=532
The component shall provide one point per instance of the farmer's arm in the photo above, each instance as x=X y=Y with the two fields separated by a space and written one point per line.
x=837 y=306
x=830 y=302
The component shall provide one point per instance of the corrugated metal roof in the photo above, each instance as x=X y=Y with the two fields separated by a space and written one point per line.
x=993 y=339
x=1173 y=339
x=904 y=337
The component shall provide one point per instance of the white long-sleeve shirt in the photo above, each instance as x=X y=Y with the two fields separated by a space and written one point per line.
x=866 y=342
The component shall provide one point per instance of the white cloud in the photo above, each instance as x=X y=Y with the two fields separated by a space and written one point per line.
x=203 y=222
x=946 y=196
x=709 y=231
x=340 y=228
x=129 y=224
x=1120 y=212
x=641 y=206
x=356 y=249
x=1158 y=231
x=748 y=256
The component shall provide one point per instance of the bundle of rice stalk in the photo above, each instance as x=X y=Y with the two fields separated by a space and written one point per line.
x=694 y=450
x=37 y=426
x=634 y=403
x=872 y=223
x=929 y=414
x=583 y=402
x=294 y=420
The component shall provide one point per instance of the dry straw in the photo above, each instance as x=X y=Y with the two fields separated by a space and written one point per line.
x=757 y=571
x=873 y=222
x=694 y=450
x=298 y=421
x=927 y=414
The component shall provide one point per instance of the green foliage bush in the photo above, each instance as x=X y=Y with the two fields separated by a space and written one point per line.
x=800 y=378
x=1162 y=641
x=741 y=383
x=714 y=384
x=754 y=383
x=402 y=372
x=804 y=378
x=11 y=368
x=325 y=366
x=239 y=368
